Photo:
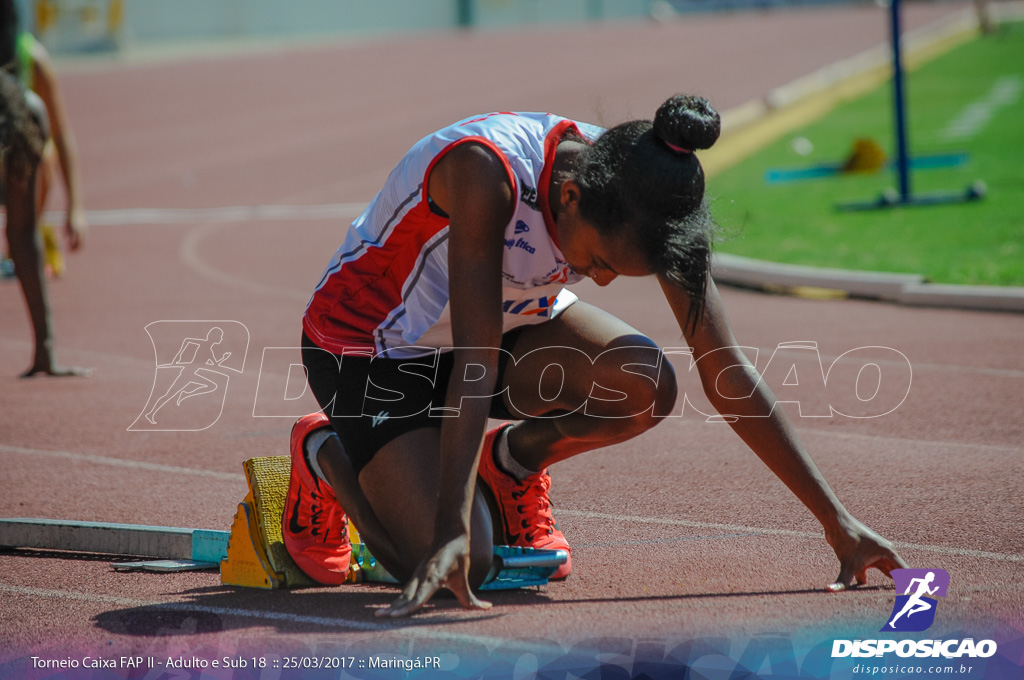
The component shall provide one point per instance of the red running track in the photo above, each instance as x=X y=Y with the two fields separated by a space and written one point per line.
x=678 y=534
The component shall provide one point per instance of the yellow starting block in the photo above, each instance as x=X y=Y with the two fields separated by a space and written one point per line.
x=257 y=557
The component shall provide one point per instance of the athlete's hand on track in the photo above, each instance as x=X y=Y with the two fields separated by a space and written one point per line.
x=448 y=567
x=859 y=549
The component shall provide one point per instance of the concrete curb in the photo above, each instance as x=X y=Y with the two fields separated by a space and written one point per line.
x=752 y=125
x=750 y=273
x=989 y=298
x=824 y=283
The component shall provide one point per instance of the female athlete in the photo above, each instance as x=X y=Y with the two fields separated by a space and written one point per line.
x=36 y=133
x=446 y=305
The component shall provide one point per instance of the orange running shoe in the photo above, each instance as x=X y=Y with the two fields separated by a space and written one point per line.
x=314 y=525
x=524 y=506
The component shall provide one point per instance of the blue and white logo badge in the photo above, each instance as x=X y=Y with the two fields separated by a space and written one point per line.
x=914 y=610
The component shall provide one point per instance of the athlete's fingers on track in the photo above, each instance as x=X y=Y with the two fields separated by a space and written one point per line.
x=415 y=595
x=884 y=563
x=849 y=571
x=841 y=583
x=888 y=563
x=458 y=584
x=468 y=600
x=448 y=568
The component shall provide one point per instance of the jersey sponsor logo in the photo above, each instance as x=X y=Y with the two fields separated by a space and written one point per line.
x=541 y=306
x=559 y=274
x=522 y=227
x=528 y=195
x=520 y=243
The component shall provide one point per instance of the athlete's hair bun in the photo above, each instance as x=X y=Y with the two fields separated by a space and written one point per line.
x=685 y=123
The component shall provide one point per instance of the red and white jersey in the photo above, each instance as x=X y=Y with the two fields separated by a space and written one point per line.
x=386 y=287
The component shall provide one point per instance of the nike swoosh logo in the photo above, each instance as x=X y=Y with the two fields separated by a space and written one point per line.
x=509 y=536
x=293 y=523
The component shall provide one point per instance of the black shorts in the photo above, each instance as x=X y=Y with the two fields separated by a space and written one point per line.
x=373 y=400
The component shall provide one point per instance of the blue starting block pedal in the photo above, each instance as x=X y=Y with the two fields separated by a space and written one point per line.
x=513 y=567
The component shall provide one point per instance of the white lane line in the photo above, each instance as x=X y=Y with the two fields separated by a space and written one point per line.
x=238 y=213
x=941 y=549
x=120 y=462
x=875 y=438
x=915 y=365
x=732 y=528
x=328 y=622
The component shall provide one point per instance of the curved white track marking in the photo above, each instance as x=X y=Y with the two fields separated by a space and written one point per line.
x=736 y=528
x=189 y=253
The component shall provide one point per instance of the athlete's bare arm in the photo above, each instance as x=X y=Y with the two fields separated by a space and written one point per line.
x=773 y=438
x=472 y=186
x=45 y=85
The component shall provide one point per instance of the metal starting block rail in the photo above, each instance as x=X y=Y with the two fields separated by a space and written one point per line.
x=176 y=548
x=252 y=554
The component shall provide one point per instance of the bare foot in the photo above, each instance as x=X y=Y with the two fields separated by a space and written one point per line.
x=58 y=371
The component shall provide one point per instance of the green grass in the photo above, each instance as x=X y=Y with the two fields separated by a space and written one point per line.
x=981 y=242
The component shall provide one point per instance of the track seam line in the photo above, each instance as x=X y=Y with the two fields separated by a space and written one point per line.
x=120 y=462
x=920 y=366
x=1000 y=448
x=732 y=528
x=237 y=213
x=329 y=622
x=960 y=552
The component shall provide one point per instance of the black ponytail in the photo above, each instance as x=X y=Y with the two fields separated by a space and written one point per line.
x=644 y=177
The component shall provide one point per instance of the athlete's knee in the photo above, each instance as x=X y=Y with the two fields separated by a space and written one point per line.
x=633 y=381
